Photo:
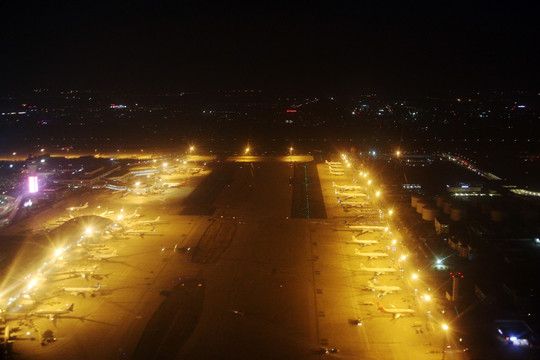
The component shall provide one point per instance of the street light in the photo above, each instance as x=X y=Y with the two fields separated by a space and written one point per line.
x=445 y=328
x=247 y=150
x=191 y=148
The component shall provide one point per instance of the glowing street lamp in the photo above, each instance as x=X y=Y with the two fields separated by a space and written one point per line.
x=247 y=150
x=390 y=212
x=414 y=276
x=398 y=153
x=445 y=328
x=378 y=193
x=191 y=148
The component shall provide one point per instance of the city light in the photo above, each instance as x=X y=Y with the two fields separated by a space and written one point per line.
x=32 y=184
x=247 y=150
x=31 y=284
x=414 y=276
x=444 y=327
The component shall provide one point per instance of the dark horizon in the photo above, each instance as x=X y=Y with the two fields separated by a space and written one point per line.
x=325 y=47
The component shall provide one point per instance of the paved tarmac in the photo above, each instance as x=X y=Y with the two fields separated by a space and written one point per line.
x=245 y=282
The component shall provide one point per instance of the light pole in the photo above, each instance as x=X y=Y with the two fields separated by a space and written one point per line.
x=445 y=328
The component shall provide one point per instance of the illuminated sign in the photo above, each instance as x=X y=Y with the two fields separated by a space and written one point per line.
x=291 y=111
x=33 y=184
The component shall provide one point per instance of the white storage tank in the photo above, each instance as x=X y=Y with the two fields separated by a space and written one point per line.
x=414 y=200
x=420 y=206
x=457 y=213
x=429 y=213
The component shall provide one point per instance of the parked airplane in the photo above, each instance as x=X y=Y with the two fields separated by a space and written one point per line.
x=364 y=242
x=349 y=194
x=107 y=212
x=76 y=291
x=141 y=233
x=175 y=185
x=145 y=222
x=385 y=289
x=98 y=256
x=72 y=273
x=395 y=312
x=368 y=227
x=348 y=203
x=332 y=163
x=347 y=187
x=52 y=314
x=373 y=255
x=77 y=208
x=377 y=270
x=126 y=217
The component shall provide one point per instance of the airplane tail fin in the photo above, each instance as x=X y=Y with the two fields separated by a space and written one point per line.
x=85 y=205
x=380 y=307
x=362 y=266
x=71 y=307
x=333 y=184
x=370 y=284
x=157 y=219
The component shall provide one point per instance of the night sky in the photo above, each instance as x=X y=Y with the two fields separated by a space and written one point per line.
x=325 y=46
